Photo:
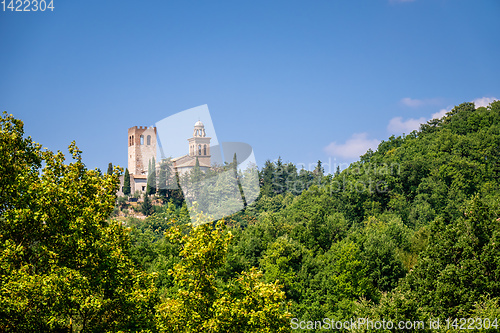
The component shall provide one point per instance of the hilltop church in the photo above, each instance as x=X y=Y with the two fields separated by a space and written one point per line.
x=142 y=147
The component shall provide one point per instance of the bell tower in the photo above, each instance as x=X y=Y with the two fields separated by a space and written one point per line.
x=141 y=148
x=199 y=144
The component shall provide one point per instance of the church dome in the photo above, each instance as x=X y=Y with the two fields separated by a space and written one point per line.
x=199 y=124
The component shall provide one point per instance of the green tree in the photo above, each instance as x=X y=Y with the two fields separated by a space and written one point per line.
x=337 y=171
x=318 y=172
x=304 y=181
x=165 y=182
x=146 y=206
x=267 y=178
x=247 y=304
x=184 y=212
x=249 y=181
x=342 y=276
x=460 y=264
x=126 y=183
x=279 y=179
x=238 y=177
x=176 y=194
x=151 y=182
x=282 y=260
x=110 y=169
x=63 y=265
x=196 y=173
x=381 y=241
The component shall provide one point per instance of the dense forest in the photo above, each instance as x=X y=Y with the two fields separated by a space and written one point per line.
x=410 y=232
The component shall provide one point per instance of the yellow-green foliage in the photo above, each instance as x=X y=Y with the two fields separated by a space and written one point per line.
x=245 y=304
x=63 y=267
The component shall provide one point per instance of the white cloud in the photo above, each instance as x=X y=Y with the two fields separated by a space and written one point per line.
x=440 y=114
x=359 y=143
x=411 y=102
x=397 y=125
x=354 y=147
x=415 y=103
x=483 y=101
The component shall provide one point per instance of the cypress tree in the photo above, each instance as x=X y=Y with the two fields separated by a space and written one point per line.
x=147 y=206
x=337 y=172
x=238 y=180
x=110 y=168
x=176 y=194
x=126 y=183
x=319 y=172
x=197 y=170
x=151 y=185
x=164 y=186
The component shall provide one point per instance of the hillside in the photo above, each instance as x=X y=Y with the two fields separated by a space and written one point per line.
x=417 y=219
x=409 y=232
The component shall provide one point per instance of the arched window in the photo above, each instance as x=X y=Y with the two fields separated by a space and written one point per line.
x=199 y=149
x=133 y=140
x=149 y=140
x=142 y=139
x=204 y=149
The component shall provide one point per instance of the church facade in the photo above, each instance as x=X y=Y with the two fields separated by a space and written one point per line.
x=142 y=147
x=199 y=148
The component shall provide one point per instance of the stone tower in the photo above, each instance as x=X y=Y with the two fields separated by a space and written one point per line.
x=199 y=144
x=141 y=148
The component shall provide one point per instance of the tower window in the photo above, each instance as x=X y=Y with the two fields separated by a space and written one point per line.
x=199 y=149
x=149 y=140
x=204 y=149
x=142 y=139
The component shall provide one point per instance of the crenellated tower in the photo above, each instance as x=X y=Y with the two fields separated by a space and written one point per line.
x=141 y=148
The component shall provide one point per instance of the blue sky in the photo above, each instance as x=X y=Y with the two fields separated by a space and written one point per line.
x=304 y=80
